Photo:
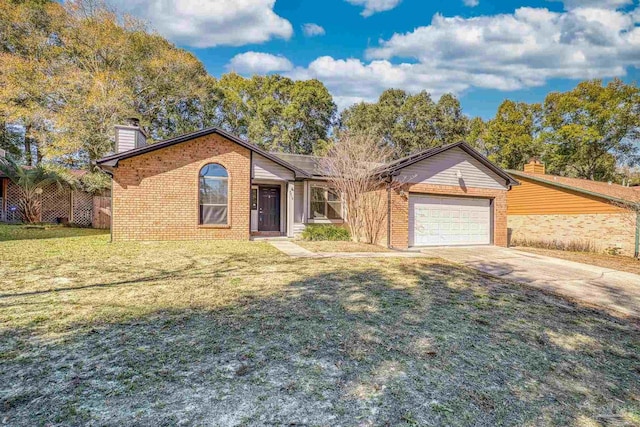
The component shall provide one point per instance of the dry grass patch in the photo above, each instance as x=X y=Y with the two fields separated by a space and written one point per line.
x=324 y=247
x=235 y=333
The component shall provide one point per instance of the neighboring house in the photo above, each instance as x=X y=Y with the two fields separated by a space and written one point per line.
x=549 y=209
x=212 y=185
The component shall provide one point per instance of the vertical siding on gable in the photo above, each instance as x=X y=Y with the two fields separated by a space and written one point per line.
x=442 y=169
x=264 y=168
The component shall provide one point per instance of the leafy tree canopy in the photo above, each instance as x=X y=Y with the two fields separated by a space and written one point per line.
x=408 y=123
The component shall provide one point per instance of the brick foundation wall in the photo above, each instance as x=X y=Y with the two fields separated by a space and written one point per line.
x=602 y=230
x=156 y=195
x=400 y=210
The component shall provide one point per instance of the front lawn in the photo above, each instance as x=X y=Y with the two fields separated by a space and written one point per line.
x=339 y=246
x=45 y=231
x=236 y=333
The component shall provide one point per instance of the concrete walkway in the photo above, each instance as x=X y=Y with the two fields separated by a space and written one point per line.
x=296 y=251
x=291 y=249
x=613 y=290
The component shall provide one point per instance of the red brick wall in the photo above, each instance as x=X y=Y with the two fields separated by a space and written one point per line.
x=400 y=210
x=155 y=195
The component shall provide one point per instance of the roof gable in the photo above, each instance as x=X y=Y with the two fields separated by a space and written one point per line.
x=454 y=167
x=394 y=167
x=111 y=161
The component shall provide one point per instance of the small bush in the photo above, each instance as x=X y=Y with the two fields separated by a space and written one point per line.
x=315 y=232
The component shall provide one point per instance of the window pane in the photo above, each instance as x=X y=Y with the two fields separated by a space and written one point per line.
x=334 y=210
x=213 y=169
x=213 y=191
x=317 y=209
x=213 y=214
x=318 y=194
x=333 y=195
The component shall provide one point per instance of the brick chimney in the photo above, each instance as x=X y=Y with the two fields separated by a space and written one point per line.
x=130 y=136
x=534 y=166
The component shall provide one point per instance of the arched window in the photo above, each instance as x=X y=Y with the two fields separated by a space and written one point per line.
x=214 y=194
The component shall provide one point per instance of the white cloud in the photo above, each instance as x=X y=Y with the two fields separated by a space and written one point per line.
x=258 y=63
x=471 y=3
x=210 y=23
x=601 y=4
x=503 y=52
x=352 y=80
x=311 y=30
x=375 y=6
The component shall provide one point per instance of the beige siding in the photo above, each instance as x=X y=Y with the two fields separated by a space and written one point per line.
x=298 y=215
x=442 y=169
x=264 y=168
x=126 y=139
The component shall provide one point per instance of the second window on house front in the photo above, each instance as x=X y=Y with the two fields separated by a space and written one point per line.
x=326 y=203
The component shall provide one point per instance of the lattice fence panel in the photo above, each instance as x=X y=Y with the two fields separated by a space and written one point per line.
x=82 y=208
x=14 y=193
x=56 y=203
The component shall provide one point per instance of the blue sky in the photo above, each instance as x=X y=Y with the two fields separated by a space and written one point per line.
x=483 y=51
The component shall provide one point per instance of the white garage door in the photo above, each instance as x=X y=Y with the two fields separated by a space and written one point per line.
x=442 y=221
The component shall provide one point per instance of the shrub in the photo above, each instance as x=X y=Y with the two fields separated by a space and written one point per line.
x=315 y=232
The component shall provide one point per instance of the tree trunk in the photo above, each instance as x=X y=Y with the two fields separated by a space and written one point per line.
x=27 y=148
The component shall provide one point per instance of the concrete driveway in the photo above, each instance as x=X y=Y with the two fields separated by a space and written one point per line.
x=613 y=290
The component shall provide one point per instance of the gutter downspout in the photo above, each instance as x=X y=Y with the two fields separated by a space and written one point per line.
x=637 y=250
x=111 y=216
x=389 y=213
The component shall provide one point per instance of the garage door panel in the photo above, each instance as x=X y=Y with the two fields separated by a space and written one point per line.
x=442 y=221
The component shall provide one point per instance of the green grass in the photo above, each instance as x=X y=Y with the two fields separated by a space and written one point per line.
x=236 y=333
x=45 y=231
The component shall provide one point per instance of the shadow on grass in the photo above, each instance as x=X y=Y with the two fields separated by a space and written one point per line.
x=432 y=345
x=618 y=294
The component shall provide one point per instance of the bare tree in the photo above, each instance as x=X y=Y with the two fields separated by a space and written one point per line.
x=352 y=166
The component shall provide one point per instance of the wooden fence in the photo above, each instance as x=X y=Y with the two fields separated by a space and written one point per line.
x=101 y=212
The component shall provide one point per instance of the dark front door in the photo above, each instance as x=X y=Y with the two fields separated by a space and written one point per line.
x=269 y=209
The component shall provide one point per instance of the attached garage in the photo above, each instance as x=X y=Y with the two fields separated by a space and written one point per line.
x=449 y=221
x=447 y=196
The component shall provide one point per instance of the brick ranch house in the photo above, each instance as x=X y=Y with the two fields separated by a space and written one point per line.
x=559 y=211
x=210 y=184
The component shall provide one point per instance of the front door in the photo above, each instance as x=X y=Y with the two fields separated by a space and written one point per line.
x=269 y=209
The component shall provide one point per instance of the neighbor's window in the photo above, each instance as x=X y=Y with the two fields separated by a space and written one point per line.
x=326 y=203
x=214 y=194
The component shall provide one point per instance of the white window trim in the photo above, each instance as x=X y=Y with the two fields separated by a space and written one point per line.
x=226 y=205
x=325 y=220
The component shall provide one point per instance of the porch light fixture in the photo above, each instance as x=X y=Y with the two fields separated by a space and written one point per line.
x=459 y=174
